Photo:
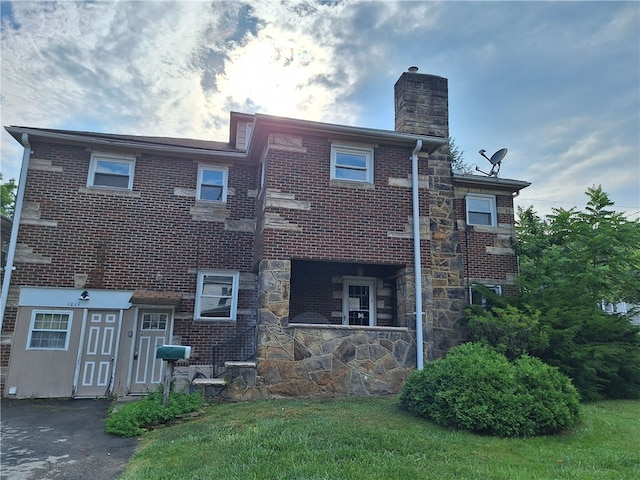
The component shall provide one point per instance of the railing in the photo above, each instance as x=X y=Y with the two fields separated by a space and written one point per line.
x=239 y=348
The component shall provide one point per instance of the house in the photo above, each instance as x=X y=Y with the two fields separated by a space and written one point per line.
x=623 y=308
x=289 y=255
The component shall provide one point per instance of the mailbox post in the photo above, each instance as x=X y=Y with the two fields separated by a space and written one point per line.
x=170 y=354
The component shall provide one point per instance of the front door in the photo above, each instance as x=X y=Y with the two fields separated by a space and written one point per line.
x=359 y=301
x=97 y=362
x=153 y=331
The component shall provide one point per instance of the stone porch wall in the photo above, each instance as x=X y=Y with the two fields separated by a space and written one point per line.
x=300 y=360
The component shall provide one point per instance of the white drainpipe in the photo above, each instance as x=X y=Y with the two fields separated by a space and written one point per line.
x=416 y=255
x=17 y=213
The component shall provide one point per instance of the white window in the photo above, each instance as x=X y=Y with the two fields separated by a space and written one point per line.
x=49 y=330
x=352 y=163
x=217 y=295
x=112 y=171
x=478 y=297
x=212 y=183
x=481 y=210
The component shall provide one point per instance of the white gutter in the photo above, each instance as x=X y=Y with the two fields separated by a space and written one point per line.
x=17 y=213
x=416 y=255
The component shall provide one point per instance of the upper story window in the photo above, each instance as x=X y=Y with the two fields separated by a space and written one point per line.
x=352 y=163
x=112 y=171
x=212 y=183
x=481 y=210
x=49 y=330
x=217 y=295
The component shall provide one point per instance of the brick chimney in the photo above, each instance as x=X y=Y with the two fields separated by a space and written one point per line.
x=422 y=104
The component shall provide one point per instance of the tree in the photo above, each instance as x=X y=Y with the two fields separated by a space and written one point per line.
x=8 y=197
x=590 y=256
x=570 y=262
x=457 y=160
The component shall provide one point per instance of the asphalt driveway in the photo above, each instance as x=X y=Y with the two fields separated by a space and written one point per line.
x=59 y=439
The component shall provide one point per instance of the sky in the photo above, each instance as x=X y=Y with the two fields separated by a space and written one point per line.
x=556 y=83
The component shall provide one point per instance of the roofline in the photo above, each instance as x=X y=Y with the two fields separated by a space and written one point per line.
x=484 y=182
x=88 y=138
x=261 y=122
x=430 y=143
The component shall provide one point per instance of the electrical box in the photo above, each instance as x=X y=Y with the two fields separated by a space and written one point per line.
x=173 y=352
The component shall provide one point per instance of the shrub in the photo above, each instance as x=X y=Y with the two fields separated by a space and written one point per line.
x=132 y=419
x=475 y=388
x=599 y=351
x=511 y=331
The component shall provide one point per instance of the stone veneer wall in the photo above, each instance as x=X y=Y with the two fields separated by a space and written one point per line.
x=296 y=360
x=447 y=302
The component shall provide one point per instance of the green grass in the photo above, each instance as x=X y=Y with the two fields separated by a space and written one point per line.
x=370 y=438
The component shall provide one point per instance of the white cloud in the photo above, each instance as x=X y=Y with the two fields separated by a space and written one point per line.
x=555 y=82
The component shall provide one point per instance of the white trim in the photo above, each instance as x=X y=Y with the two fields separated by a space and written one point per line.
x=76 y=373
x=491 y=199
x=370 y=282
x=116 y=353
x=96 y=157
x=235 y=275
x=53 y=297
x=225 y=181
x=50 y=312
x=366 y=152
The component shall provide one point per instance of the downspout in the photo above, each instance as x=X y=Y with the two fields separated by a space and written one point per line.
x=416 y=255
x=17 y=213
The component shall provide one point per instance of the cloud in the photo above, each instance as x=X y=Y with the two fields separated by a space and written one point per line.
x=555 y=82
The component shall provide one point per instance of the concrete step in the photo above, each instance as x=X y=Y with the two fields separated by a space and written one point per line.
x=209 y=382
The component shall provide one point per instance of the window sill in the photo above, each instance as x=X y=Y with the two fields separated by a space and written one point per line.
x=334 y=182
x=210 y=203
x=215 y=321
x=483 y=228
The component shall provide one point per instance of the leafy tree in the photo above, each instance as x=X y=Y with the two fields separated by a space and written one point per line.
x=581 y=256
x=8 y=197
x=457 y=159
x=570 y=262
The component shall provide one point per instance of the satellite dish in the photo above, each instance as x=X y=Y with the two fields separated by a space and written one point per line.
x=495 y=160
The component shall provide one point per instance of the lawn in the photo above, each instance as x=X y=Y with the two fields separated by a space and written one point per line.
x=370 y=438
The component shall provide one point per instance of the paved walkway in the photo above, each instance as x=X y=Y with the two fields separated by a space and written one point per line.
x=59 y=439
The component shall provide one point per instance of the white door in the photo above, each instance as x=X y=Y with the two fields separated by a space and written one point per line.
x=97 y=363
x=359 y=301
x=153 y=331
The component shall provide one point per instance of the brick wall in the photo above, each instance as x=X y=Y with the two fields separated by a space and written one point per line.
x=343 y=221
x=153 y=238
x=487 y=251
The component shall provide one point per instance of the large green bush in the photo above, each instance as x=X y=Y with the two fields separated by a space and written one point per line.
x=599 y=351
x=511 y=331
x=476 y=388
x=133 y=418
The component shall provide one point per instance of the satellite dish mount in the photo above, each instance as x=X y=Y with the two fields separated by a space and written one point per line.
x=495 y=160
